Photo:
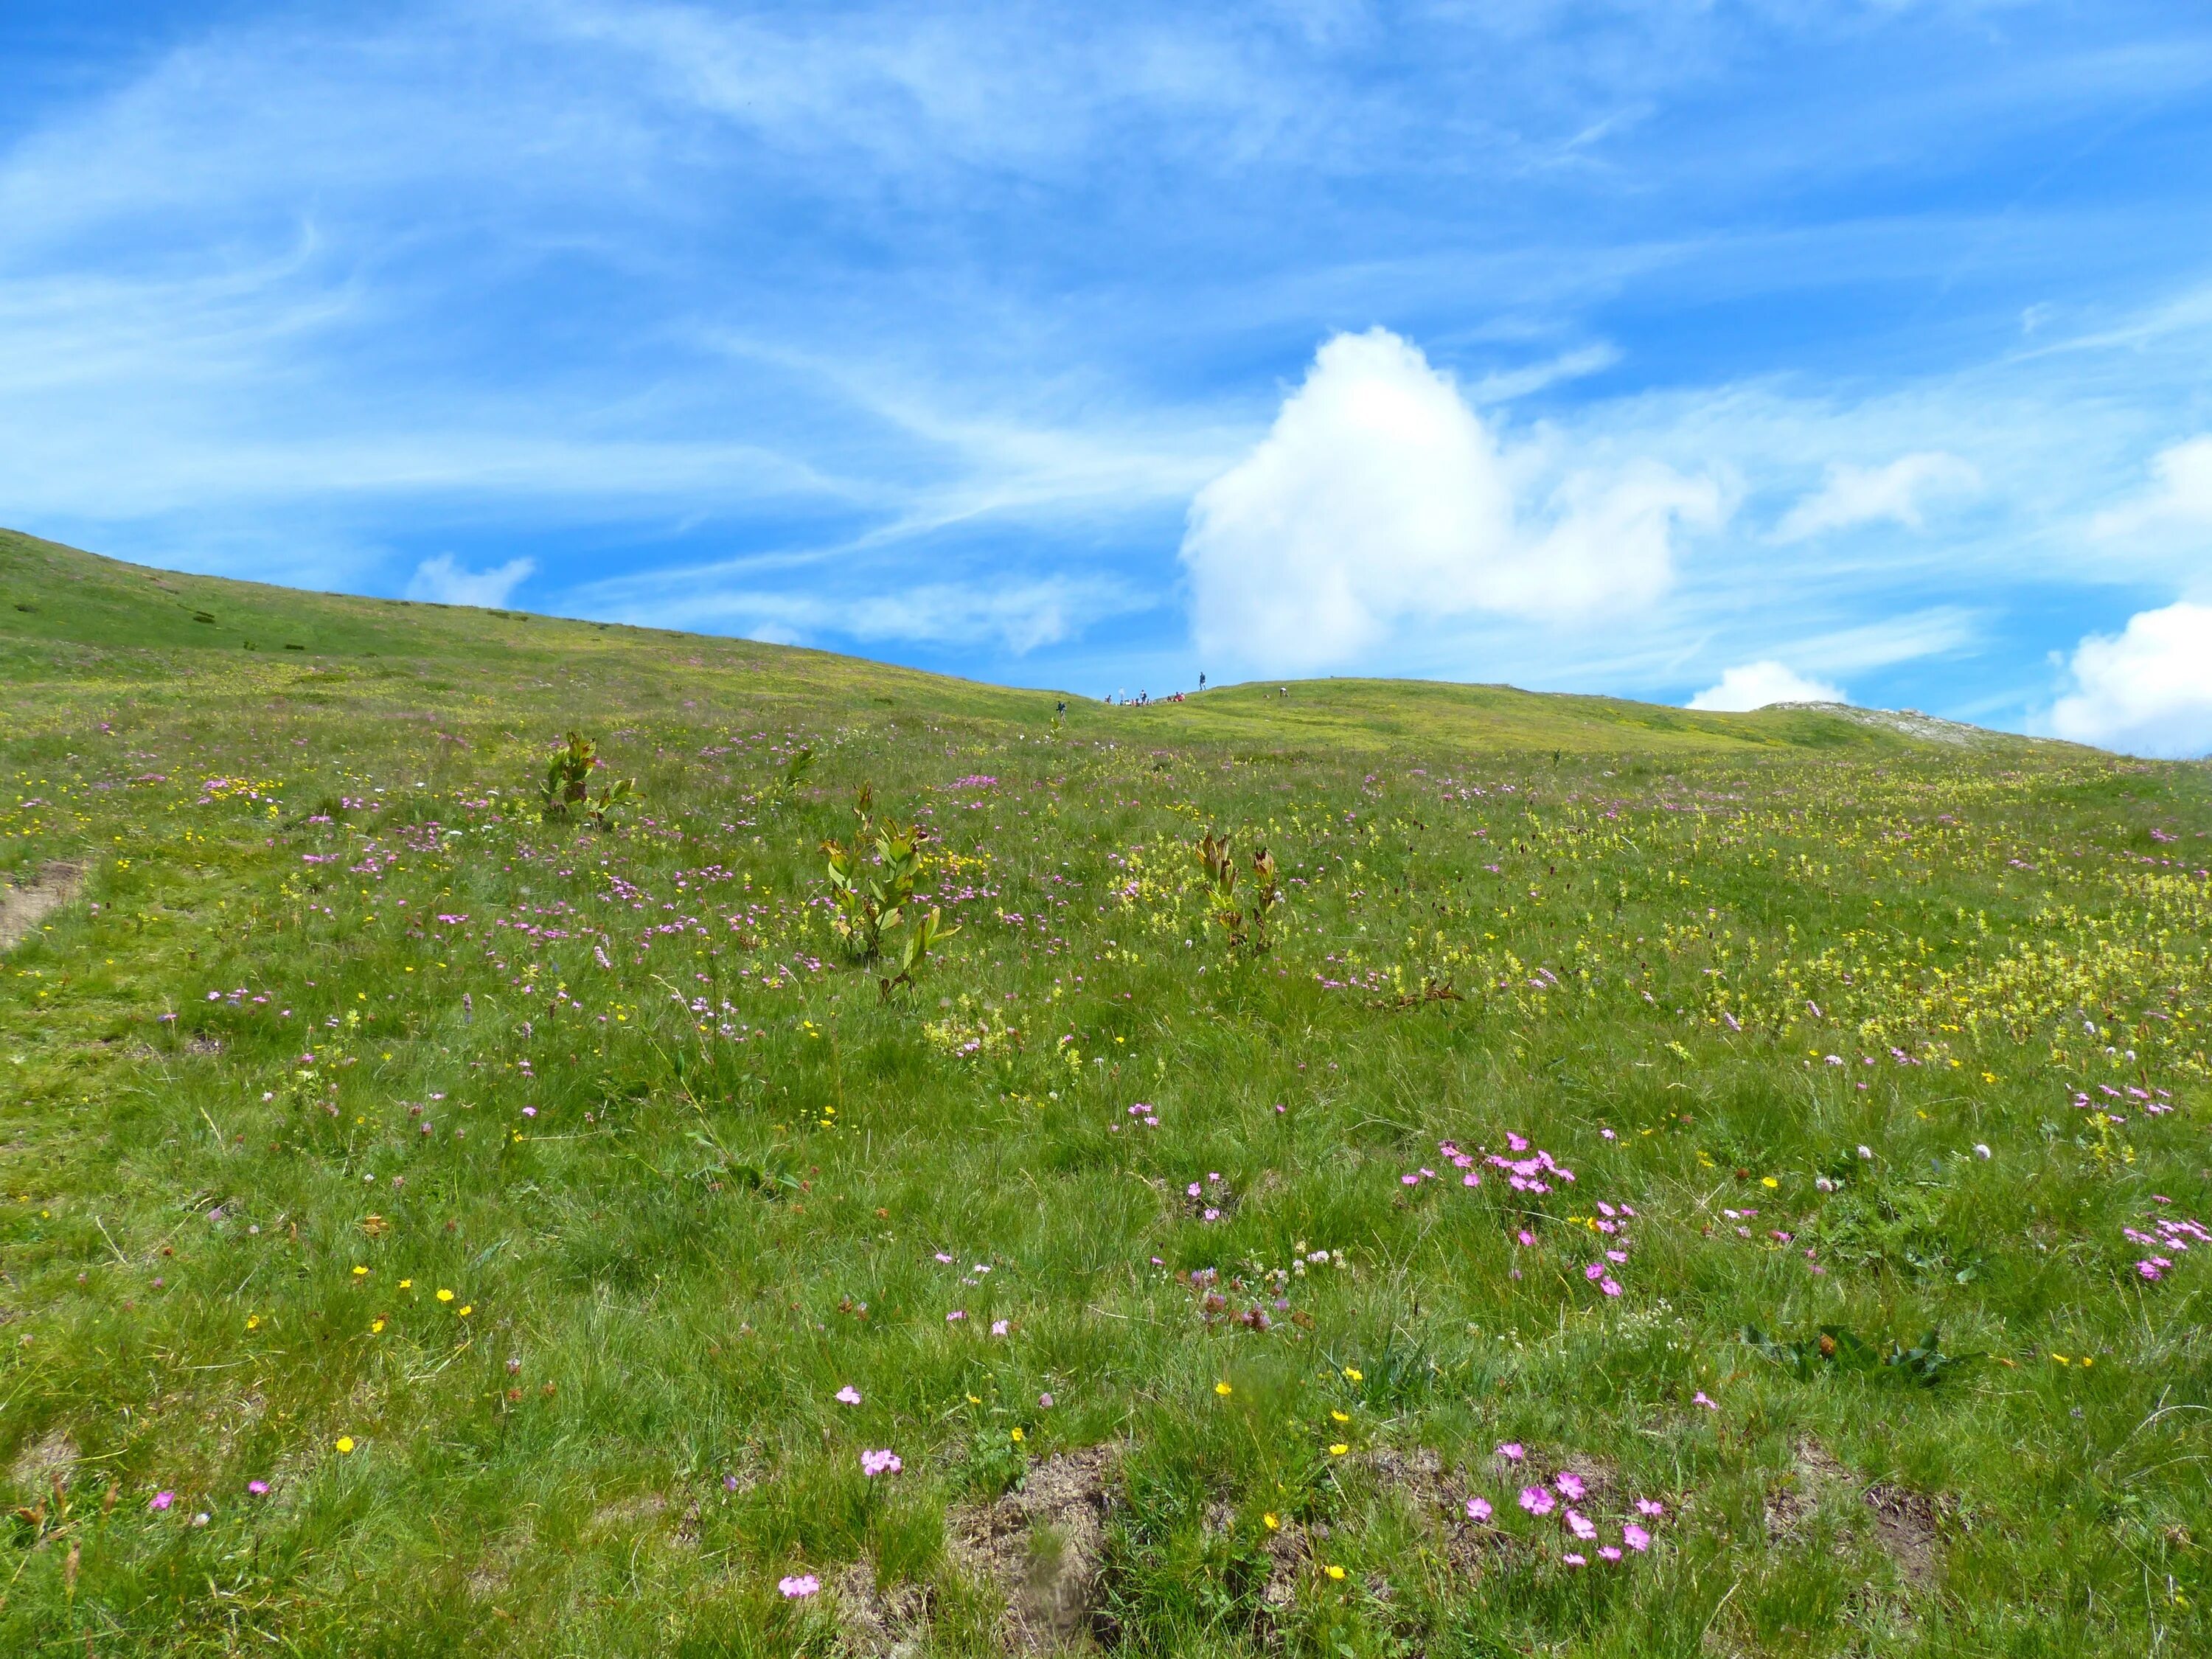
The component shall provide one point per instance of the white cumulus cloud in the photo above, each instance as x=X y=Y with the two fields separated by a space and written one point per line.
x=1863 y=494
x=446 y=581
x=1755 y=685
x=2147 y=690
x=1380 y=501
x=2181 y=498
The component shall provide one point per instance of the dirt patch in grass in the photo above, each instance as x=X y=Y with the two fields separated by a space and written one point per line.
x=46 y=1460
x=1041 y=1548
x=22 y=909
x=1437 y=1495
x=1904 y=1522
x=1814 y=1472
x=876 y=1621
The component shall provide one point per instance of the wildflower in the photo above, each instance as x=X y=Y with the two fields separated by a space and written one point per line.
x=258 y=1488
x=1336 y=1572
x=849 y=1396
x=729 y=1483
x=1575 y=1560
x=1352 y=1375
x=1017 y=1436
x=1339 y=1450
x=1478 y=1509
x=1981 y=1152
x=1866 y=1152
x=1044 y=1400
x=1537 y=1501
x=1527 y=1238
x=445 y=1295
x=1568 y=1484
x=1635 y=1537
x=1609 y=1551
x=956 y=1315
x=345 y=1444
x=161 y=1501
x=1271 y=1520
x=1512 y=1451
x=799 y=1586
x=1223 y=1389
x=885 y=1461
x=1651 y=1508
x=1581 y=1526
x=1340 y=1417
x=360 y=1273
x=1698 y=1398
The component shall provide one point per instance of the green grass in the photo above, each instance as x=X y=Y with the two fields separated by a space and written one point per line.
x=622 y=1094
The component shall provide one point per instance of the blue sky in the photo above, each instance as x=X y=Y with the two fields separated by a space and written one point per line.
x=1679 y=351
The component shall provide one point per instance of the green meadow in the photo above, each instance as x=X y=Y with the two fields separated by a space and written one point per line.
x=1568 y=1177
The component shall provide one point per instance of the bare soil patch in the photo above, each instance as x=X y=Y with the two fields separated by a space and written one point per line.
x=1904 y=1522
x=875 y=1621
x=22 y=909
x=1041 y=1548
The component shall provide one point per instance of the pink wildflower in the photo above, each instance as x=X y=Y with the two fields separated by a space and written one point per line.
x=849 y=1396
x=1513 y=1451
x=1536 y=1500
x=1650 y=1507
x=1636 y=1538
x=1478 y=1509
x=799 y=1586
x=1568 y=1484
x=885 y=1461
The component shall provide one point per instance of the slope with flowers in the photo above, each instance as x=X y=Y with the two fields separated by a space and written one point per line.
x=1613 y=1180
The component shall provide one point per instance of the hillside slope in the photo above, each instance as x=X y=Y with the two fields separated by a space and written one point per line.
x=1569 y=1177
x=74 y=615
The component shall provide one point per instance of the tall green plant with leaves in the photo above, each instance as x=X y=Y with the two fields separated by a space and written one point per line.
x=567 y=785
x=872 y=881
x=1245 y=926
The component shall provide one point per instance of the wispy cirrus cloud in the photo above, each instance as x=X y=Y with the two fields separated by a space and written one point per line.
x=961 y=301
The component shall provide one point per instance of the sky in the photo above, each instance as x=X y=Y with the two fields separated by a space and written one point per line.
x=1712 y=354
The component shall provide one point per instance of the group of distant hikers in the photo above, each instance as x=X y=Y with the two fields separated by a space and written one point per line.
x=1143 y=699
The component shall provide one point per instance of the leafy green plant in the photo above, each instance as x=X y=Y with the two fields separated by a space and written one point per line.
x=795 y=772
x=567 y=785
x=872 y=877
x=1244 y=926
x=1835 y=1349
x=915 y=951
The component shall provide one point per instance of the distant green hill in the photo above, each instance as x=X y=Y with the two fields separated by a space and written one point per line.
x=69 y=613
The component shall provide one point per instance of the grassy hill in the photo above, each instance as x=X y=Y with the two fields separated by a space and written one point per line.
x=1649 y=1183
